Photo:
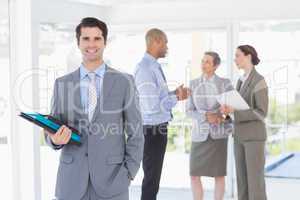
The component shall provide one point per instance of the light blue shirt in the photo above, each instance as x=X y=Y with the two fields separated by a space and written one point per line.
x=156 y=101
x=84 y=83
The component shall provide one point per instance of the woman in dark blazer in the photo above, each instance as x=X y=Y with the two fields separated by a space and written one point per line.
x=249 y=127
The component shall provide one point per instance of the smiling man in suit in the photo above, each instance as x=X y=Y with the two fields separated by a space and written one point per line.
x=102 y=104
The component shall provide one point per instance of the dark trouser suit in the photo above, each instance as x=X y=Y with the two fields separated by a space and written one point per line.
x=154 y=152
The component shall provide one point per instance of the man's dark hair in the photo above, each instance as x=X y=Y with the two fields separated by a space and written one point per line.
x=91 y=22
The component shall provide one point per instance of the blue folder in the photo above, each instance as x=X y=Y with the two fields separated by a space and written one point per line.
x=50 y=124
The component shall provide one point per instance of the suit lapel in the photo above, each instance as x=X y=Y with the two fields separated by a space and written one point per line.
x=106 y=89
x=243 y=90
x=77 y=94
x=238 y=85
x=219 y=85
x=108 y=83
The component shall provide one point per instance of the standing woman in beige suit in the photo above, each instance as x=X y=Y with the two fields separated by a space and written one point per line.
x=249 y=127
x=209 y=129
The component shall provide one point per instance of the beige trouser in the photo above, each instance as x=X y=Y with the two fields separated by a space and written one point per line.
x=250 y=162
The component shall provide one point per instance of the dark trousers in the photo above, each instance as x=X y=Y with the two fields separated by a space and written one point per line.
x=154 y=152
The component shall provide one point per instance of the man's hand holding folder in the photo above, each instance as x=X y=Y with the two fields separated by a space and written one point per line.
x=59 y=133
x=61 y=137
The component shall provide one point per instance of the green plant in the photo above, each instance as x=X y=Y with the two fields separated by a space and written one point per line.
x=291 y=145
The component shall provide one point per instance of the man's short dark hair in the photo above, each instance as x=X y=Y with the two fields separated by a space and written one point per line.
x=91 y=22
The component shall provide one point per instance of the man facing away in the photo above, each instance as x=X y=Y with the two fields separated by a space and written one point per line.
x=102 y=104
x=156 y=105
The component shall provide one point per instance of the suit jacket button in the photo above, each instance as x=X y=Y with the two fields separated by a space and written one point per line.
x=86 y=154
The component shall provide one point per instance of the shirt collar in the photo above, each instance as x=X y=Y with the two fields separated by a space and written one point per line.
x=245 y=76
x=99 y=71
x=211 y=79
x=150 y=57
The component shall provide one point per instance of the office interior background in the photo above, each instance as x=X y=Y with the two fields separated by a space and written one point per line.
x=37 y=45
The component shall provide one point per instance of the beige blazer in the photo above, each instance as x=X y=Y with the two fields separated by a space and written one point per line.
x=249 y=125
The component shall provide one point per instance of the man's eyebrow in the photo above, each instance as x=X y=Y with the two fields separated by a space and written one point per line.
x=88 y=37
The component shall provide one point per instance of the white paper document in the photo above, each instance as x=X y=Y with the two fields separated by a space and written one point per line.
x=234 y=99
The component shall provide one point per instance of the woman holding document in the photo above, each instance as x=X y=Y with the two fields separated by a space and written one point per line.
x=210 y=130
x=249 y=126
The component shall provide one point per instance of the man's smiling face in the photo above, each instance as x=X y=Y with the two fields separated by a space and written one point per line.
x=91 y=44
